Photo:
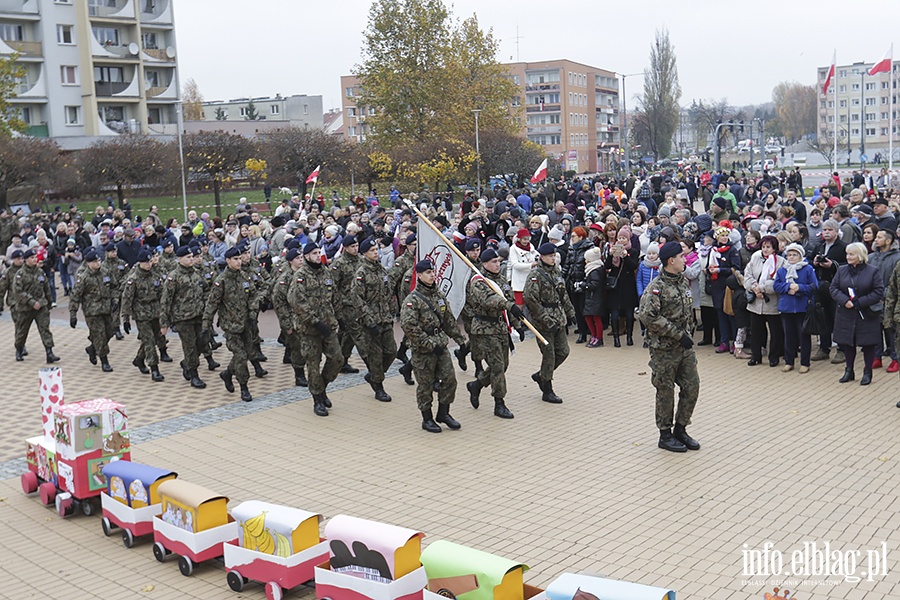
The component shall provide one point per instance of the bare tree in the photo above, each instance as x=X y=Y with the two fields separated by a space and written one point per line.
x=824 y=145
x=123 y=161
x=215 y=156
x=659 y=102
x=192 y=101
x=292 y=154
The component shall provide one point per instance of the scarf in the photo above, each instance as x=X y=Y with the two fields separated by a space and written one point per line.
x=714 y=259
x=770 y=266
x=704 y=250
x=524 y=245
x=791 y=271
x=691 y=258
x=592 y=266
x=652 y=264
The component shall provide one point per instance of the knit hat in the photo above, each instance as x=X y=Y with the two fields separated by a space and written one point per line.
x=666 y=212
x=721 y=230
x=70 y=241
x=232 y=252
x=795 y=248
x=669 y=250
x=523 y=232
x=424 y=265
x=332 y=230
x=556 y=233
x=653 y=248
x=90 y=255
x=291 y=254
x=366 y=245
x=597 y=227
x=592 y=254
x=349 y=240
x=144 y=255
x=489 y=254
x=720 y=202
x=547 y=249
x=183 y=251
x=310 y=247
x=472 y=245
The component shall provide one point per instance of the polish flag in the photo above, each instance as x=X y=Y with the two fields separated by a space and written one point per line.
x=541 y=173
x=883 y=65
x=314 y=176
x=830 y=74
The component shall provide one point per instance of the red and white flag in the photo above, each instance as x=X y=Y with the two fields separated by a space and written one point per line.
x=830 y=74
x=314 y=176
x=883 y=65
x=541 y=173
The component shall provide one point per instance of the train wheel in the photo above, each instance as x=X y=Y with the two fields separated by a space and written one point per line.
x=273 y=591
x=127 y=538
x=87 y=507
x=107 y=526
x=159 y=552
x=185 y=565
x=29 y=482
x=48 y=493
x=235 y=581
x=65 y=504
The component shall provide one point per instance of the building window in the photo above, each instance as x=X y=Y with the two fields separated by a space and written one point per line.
x=870 y=101
x=349 y=92
x=274 y=109
x=517 y=101
x=110 y=74
x=855 y=87
x=65 y=35
x=870 y=131
x=571 y=119
x=831 y=118
x=884 y=85
x=149 y=41
x=62 y=1
x=843 y=104
x=371 y=110
x=843 y=89
x=843 y=119
x=884 y=101
x=351 y=111
x=570 y=77
x=571 y=139
x=107 y=36
x=306 y=109
x=870 y=116
x=152 y=78
x=10 y=32
x=855 y=102
x=25 y=115
x=243 y=111
x=854 y=117
x=884 y=131
x=884 y=116
x=870 y=86
x=73 y=115
x=351 y=131
x=68 y=75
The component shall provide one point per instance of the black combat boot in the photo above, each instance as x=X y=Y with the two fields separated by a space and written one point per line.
x=669 y=442
x=257 y=369
x=319 y=407
x=118 y=334
x=164 y=356
x=326 y=400
x=211 y=363
x=378 y=388
x=443 y=416
x=474 y=388
x=401 y=352
x=460 y=354
x=92 y=354
x=19 y=355
x=299 y=377
x=196 y=382
x=536 y=377
x=406 y=371
x=849 y=375
x=245 y=393
x=682 y=436
x=500 y=409
x=549 y=395
x=228 y=378
x=24 y=351
x=428 y=423
x=51 y=358
x=104 y=364
x=185 y=372
x=259 y=356
x=155 y=375
x=286 y=359
x=139 y=363
x=479 y=368
x=349 y=369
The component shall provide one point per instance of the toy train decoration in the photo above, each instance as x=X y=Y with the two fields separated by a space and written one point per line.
x=84 y=453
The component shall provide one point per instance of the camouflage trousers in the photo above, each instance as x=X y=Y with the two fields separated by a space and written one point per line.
x=494 y=351
x=189 y=334
x=380 y=351
x=23 y=320
x=351 y=334
x=671 y=366
x=149 y=334
x=240 y=345
x=292 y=343
x=100 y=331
x=553 y=353
x=430 y=369
x=313 y=347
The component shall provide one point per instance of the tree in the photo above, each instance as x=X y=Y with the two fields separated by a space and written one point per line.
x=29 y=161
x=511 y=156
x=11 y=75
x=824 y=145
x=292 y=154
x=252 y=113
x=221 y=115
x=658 y=111
x=123 y=161
x=795 y=106
x=215 y=156
x=192 y=101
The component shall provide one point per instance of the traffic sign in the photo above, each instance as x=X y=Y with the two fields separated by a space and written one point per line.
x=863 y=157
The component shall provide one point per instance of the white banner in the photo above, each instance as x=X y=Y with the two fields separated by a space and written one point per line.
x=451 y=273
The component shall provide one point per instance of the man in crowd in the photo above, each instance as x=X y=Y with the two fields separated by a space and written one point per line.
x=344 y=270
x=182 y=303
x=140 y=298
x=826 y=257
x=292 y=347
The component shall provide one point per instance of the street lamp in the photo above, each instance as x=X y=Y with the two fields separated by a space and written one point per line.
x=179 y=113
x=477 y=155
x=625 y=122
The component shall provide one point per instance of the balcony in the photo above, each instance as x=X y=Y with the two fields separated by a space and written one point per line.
x=531 y=129
x=38 y=130
x=607 y=110
x=26 y=50
x=533 y=108
x=20 y=9
x=117 y=89
x=156 y=12
x=541 y=87
x=124 y=11
x=160 y=55
x=163 y=128
x=31 y=87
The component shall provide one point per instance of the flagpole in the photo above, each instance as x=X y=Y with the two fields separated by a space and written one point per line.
x=834 y=64
x=891 y=123
x=466 y=260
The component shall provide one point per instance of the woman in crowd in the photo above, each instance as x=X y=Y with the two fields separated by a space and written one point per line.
x=759 y=281
x=595 y=295
x=522 y=257
x=723 y=260
x=857 y=290
x=869 y=231
x=61 y=240
x=708 y=317
x=795 y=284
x=622 y=298
x=750 y=245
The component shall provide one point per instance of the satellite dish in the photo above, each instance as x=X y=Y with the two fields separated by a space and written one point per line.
x=170 y=52
x=133 y=48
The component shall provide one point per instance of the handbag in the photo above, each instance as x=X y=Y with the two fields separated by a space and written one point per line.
x=814 y=321
x=612 y=280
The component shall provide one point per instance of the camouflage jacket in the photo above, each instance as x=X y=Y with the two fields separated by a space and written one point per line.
x=487 y=310
x=183 y=297
x=259 y=279
x=396 y=275
x=546 y=297
x=207 y=274
x=29 y=286
x=344 y=269
x=372 y=294
x=141 y=294
x=117 y=269
x=427 y=320
x=94 y=291
x=6 y=295
x=233 y=296
x=312 y=298
x=167 y=263
x=280 y=298
x=666 y=310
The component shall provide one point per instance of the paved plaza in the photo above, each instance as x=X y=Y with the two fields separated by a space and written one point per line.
x=578 y=487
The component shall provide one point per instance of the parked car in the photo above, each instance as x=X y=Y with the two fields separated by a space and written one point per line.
x=766 y=165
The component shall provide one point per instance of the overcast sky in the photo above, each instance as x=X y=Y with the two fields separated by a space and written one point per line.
x=737 y=50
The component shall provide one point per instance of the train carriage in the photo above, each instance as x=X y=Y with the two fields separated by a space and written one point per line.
x=131 y=499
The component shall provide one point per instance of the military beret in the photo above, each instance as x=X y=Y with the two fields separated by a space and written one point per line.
x=243 y=247
x=167 y=242
x=294 y=243
x=291 y=254
x=232 y=252
x=183 y=251
x=110 y=247
x=28 y=253
x=195 y=250
x=411 y=238
x=472 y=245
x=90 y=255
x=489 y=254
x=310 y=247
x=349 y=240
x=17 y=254
x=144 y=255
x=669 y=250
x=202 y=240
x=547 y=249
x=424 y=265
x=366 y=245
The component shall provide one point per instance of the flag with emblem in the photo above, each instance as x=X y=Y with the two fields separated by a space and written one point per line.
x=451 y=272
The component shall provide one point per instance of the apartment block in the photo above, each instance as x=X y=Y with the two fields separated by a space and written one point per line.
x=302 y=111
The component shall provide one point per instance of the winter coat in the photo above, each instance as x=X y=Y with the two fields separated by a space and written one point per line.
x=644 y=276
x=595 y=293
x=693 y=273
x=624 y=296
x=705 y=299
x=860 y=325
x=520 y=263
x=729 y=261
x=755 y=274
x=885 y=262
x=799 y=302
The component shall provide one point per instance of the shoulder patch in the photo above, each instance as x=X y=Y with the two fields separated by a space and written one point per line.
x=217 y=284
x=409 y=304
x=655 y=292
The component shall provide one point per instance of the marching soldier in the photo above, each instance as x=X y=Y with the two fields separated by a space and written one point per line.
x=400 y=279
x=344 y=269
x=117 y=270
x=427 y=321
x=257 y=274
x=181 y=306
x=167 y=260
x=32 y=292
x=233 y=297
x=95 y=292
x=666 y=311
x=160 y=273
x=473 y=253
x=489 y=338
x=293 y=260
x=312 y=299
x=7 y=297
x=140 y=298
x=548 y=302
x=208 y=272
x=373 y=297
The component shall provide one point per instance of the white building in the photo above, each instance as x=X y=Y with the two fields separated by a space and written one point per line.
x=863 y=105
x=300 y=110
x=94 y=68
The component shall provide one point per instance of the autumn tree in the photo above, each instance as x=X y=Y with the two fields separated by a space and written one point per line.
x=510 y=155
x=27 y=161
x=658 y=108
x=292 y=154
x=215 y=156
x=11 y=75
x=123 y=161
x=795 y=106
x=192 y=101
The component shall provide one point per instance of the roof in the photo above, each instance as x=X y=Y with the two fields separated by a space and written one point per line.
x=129 y=471
x=187 y=493
x=89 y=407
x=281 y=517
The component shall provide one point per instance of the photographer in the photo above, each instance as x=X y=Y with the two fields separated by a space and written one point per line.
x=826 y=257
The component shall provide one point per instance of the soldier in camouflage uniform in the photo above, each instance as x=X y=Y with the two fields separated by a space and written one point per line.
x=96 y=293
x=233 y=297
x=117 y=270
x=489 y=337
x=473 y=253
x=551 y=310
x=312 y=299
x=140 y=298
x=666 y=311
x=7 y=297
x=208 y=271
x=167 y=260
x=400 y=279
x=292 y=261
x=344 y=269
x=259 y=278
x=9 y=223
x=427 y=321
x=183 y=298
x=373 y=298
x=32 y=291
x=160 y=272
